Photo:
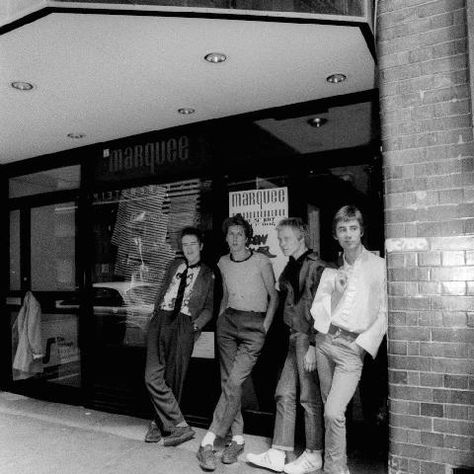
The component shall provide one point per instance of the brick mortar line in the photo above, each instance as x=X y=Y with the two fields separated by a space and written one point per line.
x=429 y=190
x=433 y=222
x=429 y=90
x=421 y=48
x=393 y=122
x=389 y=125
x=427 y=2
x=417 y=19
x=442 y=117
x=416 y=92
x=402 y=66
x=423 y=163
x=432 y=146
x=419 y=76
x=441 y=374
x=430 y=105
x=387 y=208
x=423 y=32
x=434 y=432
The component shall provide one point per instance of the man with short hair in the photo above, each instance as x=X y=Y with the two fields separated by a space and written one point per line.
x=247 y=309
x=183 y=307
x=350 y=315
x=299 y=379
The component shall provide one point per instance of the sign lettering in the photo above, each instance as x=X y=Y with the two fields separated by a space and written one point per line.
x=151 y=155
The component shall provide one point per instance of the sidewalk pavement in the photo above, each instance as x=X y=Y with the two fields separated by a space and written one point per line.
x=38 y=437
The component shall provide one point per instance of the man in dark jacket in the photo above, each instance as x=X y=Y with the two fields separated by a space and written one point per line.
x=183 y=307
x=298 y=284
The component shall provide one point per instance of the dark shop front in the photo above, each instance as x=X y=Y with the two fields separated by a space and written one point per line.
x=91 y=232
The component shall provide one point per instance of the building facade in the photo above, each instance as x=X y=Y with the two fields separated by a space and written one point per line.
x=94 y=283
x=425 y=53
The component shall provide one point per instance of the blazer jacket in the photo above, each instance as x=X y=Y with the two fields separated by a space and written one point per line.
x=201 y=301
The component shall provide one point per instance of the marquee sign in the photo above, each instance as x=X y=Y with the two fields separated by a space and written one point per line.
x=168 y=156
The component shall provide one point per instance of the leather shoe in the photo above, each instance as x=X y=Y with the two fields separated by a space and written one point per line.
x=179 y=435
x=231 y=452
x=153 y=435
x=206 y=457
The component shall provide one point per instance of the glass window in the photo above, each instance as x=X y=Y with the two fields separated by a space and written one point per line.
x=53 y=260
x=56 y=357
x=58 y=179
x=15 y=282
x=135 y=237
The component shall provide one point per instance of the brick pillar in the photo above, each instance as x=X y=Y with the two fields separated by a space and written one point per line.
x=427 y=140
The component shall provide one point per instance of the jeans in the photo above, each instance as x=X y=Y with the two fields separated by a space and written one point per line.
x=339 y=361
x=170 y=342
x=293 y=379
x=240 y=338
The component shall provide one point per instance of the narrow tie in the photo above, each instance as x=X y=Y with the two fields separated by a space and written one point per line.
x=182 y=286
x=180 y=295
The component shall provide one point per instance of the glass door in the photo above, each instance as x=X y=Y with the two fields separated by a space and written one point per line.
x=43 y=299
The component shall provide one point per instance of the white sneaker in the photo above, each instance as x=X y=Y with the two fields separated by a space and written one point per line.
x=272 y=459
x=307 y=462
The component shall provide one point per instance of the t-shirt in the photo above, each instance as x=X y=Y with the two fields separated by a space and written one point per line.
x=244 y=282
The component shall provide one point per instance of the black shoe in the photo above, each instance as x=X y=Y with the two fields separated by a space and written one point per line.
x=207 y=457
x=231 y=452
x=153 y=434
x=179 y=435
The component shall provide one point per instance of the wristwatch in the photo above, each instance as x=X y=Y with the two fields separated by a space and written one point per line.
x=195 y=327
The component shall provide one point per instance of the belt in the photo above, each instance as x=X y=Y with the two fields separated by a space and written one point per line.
x=337 y=331
x=241 y=311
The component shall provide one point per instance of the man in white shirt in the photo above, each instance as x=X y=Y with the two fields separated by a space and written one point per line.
x=350 y=315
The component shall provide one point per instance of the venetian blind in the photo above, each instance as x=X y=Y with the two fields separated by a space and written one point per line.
x=147 y=227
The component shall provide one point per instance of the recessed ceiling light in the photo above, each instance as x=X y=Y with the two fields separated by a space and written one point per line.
x=186 y=110
x=21 y=85
x=317 y=121
x=215 y=57
x=76 y=136
x=336 y=78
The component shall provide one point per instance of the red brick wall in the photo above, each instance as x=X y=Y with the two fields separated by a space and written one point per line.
x=427 y=138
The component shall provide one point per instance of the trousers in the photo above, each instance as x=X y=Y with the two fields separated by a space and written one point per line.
x=297 y=385
x=339 y=361
x=170 y=342
x=240 y=338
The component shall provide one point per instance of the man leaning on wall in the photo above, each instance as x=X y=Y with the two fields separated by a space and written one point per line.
x=183 y=307
x=299 y=381
x=350 y=315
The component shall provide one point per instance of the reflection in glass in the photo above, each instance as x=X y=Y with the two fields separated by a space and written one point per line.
x=53 y=230
x=135 y=238
x=58 y=179
x=56 y=355
x=15 y=282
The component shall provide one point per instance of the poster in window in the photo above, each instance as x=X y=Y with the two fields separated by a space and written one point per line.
x=263 y=208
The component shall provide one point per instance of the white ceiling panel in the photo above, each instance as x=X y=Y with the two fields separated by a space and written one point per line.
x=111 y=76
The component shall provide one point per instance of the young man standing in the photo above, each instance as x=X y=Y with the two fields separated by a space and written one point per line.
x=183 y=307
x=299 y=379
x=247 y=309
x=350 y=315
